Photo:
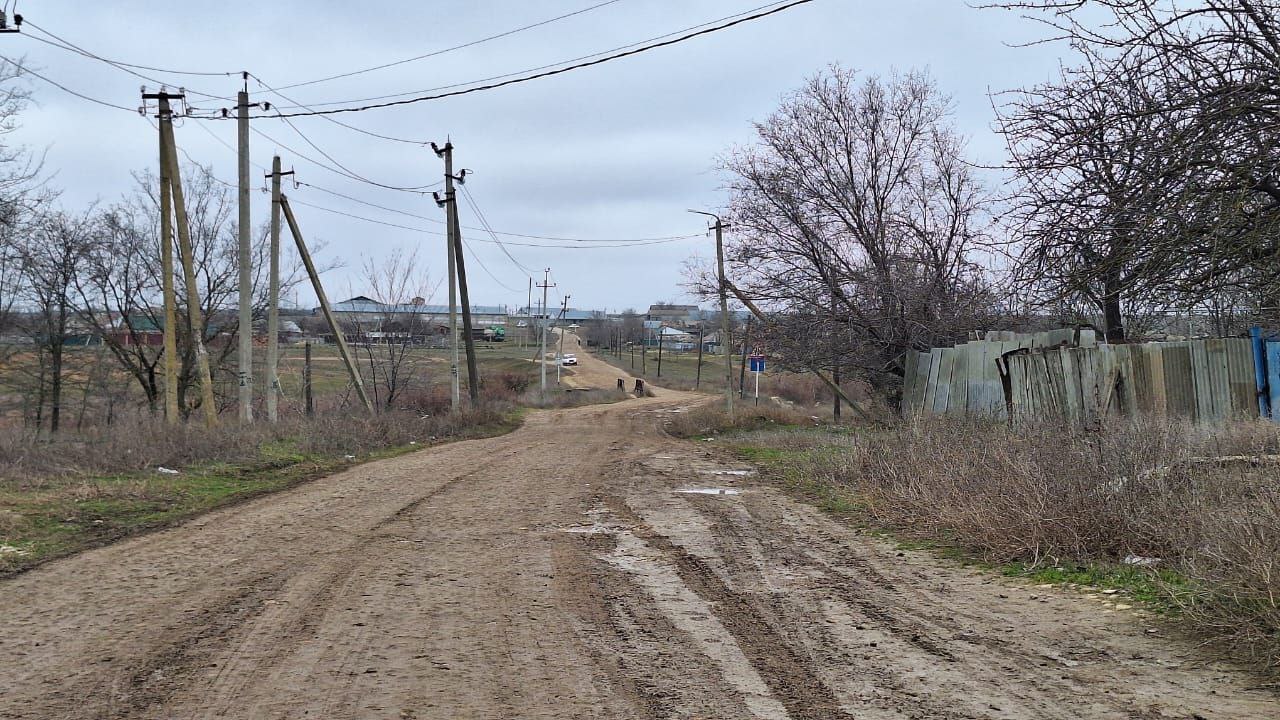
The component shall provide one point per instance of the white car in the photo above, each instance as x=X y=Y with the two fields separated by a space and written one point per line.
x=569 y=359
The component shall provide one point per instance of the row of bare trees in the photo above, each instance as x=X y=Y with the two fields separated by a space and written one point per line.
x=94 y=276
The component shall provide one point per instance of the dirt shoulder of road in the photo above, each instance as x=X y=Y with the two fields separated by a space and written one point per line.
x=100 y=511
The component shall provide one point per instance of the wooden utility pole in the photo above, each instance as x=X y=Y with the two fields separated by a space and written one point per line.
x=244 y=370
x=307 y=396
x=698 y=379
x=339 y=339
x=166 y=269
x=455 y=397
x=564 y=306
x=660 y=339
x=724 y=310
x=542 y=353
x=273 y=296
x=764 y=320
x=195 y=319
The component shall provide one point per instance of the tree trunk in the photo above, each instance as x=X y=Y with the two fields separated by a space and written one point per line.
x=1112 y=319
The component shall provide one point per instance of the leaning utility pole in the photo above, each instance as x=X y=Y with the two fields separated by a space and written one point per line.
x=244 y=260
x=468 y=337
x=166 y=268
x=724 y=310
x=195 y=319
x=273 y=296
x=339 y=339
x=455 y=398
x=542 y=354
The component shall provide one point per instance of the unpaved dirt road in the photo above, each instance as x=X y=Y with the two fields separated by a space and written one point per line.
x=557 y=572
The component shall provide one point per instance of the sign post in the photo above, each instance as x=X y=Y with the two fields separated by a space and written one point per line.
x=757 y=367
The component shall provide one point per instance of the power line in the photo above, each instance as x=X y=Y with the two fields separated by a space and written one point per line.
x=420 y=189
x=360 y=130
x=450 y=49
x=124 y=67
x=64 y=88
x=475 y=256
x=485 y=222
x=76 y=48
x=549 y=73
x=540 y=67
x=440 y=234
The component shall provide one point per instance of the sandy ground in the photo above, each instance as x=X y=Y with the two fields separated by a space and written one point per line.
x=560 y=572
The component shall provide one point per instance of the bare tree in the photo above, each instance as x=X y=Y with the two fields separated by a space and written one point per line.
x=1200 y=83
x=50 y=261
x=856 y=213
x=401 y=285
x=119 y=292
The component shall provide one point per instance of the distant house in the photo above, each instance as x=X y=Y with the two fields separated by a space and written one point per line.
x=679 y=315
x=367 y=311
x=136 y=329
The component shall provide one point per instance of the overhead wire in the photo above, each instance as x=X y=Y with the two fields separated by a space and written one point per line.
x=68 y=46
x=475 y=208
x=542 y=67
x=548 y=73
x=441 y=234
x=420 y=189
x=450 y=49
x=64 y=88
x=335 y=121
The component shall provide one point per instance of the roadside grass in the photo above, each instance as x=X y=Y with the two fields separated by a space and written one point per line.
x=43 y=516
x=1183 y=520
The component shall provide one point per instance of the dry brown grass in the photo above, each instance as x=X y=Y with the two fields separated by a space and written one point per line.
x=710 y=419
x=1205 y=500
x=30 y=462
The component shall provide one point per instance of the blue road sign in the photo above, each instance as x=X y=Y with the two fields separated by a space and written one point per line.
x=757 y=363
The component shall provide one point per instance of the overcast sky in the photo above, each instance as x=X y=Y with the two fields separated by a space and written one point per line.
x=619 y=150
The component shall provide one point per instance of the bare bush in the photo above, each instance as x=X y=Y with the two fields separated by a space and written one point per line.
x=1201 y=499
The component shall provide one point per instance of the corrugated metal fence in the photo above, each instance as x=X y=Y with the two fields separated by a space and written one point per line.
x=1068 y=375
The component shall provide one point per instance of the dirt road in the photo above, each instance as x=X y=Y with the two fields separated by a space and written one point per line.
x=560 y=572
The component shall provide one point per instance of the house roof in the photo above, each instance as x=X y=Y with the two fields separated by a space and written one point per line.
x=363 y=304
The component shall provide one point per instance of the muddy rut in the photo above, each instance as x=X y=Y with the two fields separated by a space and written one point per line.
x=565 y=571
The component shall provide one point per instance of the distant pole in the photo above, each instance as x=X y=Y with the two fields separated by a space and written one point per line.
x=659 y=352
x=542 y=353
x=742 y=369
x=724 y=309
x=273 y=297
x=170 y=328
x=244 y=260
x=306 y=380
x=564 y=306
x=644 y=355
x=698 y=380
x=528 y=312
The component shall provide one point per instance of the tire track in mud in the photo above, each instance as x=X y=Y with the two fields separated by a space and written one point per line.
x=788 y=674
x=223 y=632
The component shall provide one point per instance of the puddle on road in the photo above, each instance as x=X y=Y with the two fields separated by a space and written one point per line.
x=708 y=491
x=737 y=473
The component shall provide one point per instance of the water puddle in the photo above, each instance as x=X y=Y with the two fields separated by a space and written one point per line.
x=708 y=491
x=736 y=473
